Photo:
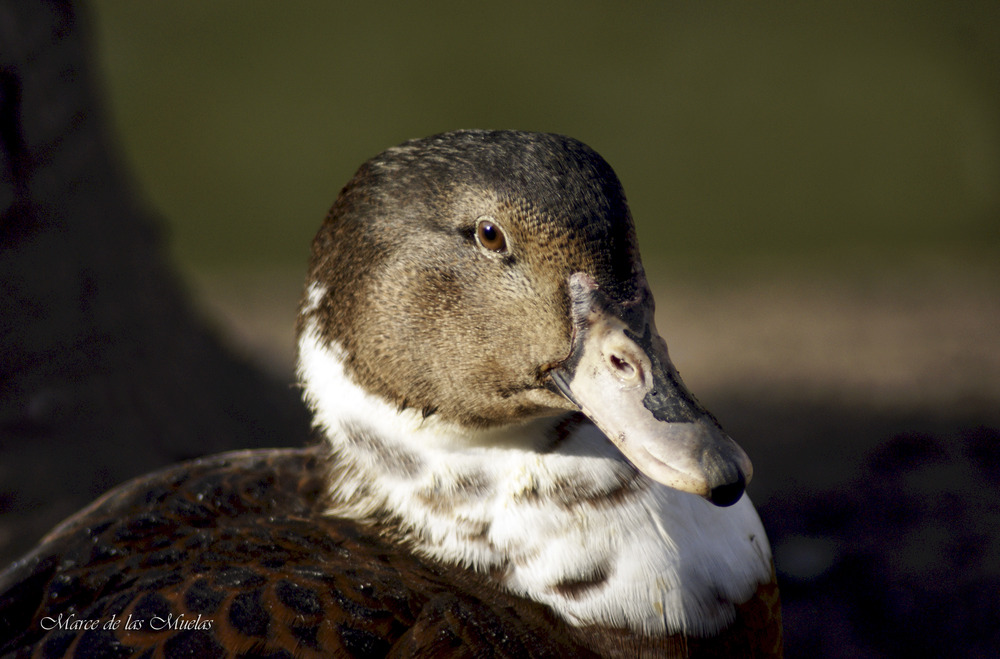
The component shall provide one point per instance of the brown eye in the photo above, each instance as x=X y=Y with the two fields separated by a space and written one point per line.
x=490 y=235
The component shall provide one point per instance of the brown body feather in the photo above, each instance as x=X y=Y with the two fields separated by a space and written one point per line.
x=237 y=548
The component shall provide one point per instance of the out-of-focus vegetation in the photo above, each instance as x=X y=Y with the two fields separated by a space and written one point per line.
x=781 y=132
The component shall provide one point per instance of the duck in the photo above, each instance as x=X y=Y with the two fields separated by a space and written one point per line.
x=506 y=462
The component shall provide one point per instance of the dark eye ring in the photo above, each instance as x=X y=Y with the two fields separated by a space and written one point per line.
x=490 y=235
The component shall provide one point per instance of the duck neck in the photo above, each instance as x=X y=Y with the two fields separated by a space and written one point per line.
x=549 y=507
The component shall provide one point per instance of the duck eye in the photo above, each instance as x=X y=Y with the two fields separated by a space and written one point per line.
x=490 y=235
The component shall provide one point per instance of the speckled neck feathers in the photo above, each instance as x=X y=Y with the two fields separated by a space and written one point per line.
x=548 y=507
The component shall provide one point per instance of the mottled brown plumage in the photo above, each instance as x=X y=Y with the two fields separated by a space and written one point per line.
x=237 y=548
x=239 y=543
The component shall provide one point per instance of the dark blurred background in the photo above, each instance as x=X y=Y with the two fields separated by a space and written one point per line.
x=816 y=188
x=775 y=132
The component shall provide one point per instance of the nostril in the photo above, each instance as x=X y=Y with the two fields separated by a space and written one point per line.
x=624 y=369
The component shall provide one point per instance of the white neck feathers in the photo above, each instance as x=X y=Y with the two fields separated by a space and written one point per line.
x=549 y=505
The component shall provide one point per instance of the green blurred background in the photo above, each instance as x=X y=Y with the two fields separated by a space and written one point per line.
x=836 y=135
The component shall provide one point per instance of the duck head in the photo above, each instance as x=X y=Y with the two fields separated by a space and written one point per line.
x=489 y=278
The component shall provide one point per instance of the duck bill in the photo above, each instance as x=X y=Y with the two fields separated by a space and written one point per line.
x=619 y=375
